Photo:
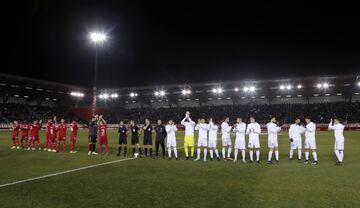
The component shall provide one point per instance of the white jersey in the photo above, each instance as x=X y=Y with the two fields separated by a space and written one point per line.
x=189 y=126
x=254 y=130
x=171 y=136
x=295 y=132
x=338 y=131
x=225 y=130
x=240 y=130
x=273 y=131
x=310 y=131
x=202 y=128
x=213 y=130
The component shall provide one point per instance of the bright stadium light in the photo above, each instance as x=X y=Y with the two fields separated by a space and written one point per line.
x=214 y=90
x=98 y=37
x=319 y=85
x=252 y=89
x=133 y=94
x=299 y=86
x=246 y=89
x=236 y=89
x=325 y=85
x=186 y=92
x=104 y=96
x=114 y=95
x=288 y=87
x=217 y=90
x=77 y=94
x=162 y=93
x=359 y=84
x=282 y=87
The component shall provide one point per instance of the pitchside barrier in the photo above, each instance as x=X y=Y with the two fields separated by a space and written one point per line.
x=319 y=127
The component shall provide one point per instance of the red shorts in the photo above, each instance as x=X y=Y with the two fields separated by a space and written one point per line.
x=24 y=137
x=103 y=140
x=37 y=138
x=72 y=138
x=15 y=137
x=62 y=138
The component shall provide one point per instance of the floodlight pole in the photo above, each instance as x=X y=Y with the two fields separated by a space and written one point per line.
x=95 y=81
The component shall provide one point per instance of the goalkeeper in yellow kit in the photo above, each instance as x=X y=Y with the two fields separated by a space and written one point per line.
x=189 y=135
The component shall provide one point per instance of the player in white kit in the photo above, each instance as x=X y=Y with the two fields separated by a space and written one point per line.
x=254 y=130
x=225 y=137
x=273 y=130
x=310 y=142
x=240 y=144
x=338 y=129
x=213 y=130
x=295 y=132
x=202 y=127
x=171 y=129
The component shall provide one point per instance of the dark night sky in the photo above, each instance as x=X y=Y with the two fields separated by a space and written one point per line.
x=178 y=42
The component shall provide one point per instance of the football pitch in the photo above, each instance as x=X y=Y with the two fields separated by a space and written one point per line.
x=145 y=182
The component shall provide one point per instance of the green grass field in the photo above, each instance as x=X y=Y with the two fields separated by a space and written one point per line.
x=162 y=183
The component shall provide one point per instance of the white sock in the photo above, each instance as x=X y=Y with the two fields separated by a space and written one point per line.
x=291 y=153
x=211 y=153
x=257 y=155
x=217 y=153
x=198 y=153
x=306 y=155
x=175 y=152
x=205 y=153
x=223 y=152
x=229 y=151
x=276 y=154
x=270 y=155
x=243 y=154
x=251 y=155
x=299 y=154
x=236 y=154
x=169 y=151
x=342 y=154
x=338 y=155
x=314 y=156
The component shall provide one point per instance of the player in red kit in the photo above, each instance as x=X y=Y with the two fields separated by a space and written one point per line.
x=34 y=134
x=102 y=135
x=52 y=138
x=62 y=135
x=15 y=135
x=24 y=134
x=73 y=136
x=49 y=125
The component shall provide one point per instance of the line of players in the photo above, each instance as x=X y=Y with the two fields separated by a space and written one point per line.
x=55 y=135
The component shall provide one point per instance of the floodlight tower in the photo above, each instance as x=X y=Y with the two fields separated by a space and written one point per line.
x=96 y=38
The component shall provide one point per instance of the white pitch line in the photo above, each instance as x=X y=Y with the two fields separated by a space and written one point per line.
x=63 y=172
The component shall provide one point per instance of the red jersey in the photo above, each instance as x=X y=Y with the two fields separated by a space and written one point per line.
x=48 y=127
x=25 y=130
x=102 y=130
x=34 y=130
x=15 y=132
x=62 y=130
x=73 y=128
x=52 y=131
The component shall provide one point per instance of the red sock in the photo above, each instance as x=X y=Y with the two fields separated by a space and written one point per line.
x=107 y=148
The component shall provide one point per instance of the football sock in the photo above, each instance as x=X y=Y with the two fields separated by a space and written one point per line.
x=145 y=150
x=169 y=151
x=217 y=153
x=299 y=154
x=125 y=148
x=186 y=151
x=175 y=152
x=236 y=154
x=229 y=151
x=251 y=155
x=192 y=149
x=205 y=153
x=211 y=153
x=198 y=153
x=270 y=155
x=243 y=154
x=276 y=154
x=119 y=152
x=291 y=153
x=306 y=155
x=338 y=155
x=257 y=155
x=223 y=152
x=150 y=152
x=315 y=156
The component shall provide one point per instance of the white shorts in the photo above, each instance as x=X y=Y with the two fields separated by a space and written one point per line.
x=240 y=143
x=272 y=143
x=310 y=144
x=339 y=145
x=212 y=143
x=171 y=143
x=254 y=143
x=226 y=142
x=202 y=142
x=296 y=144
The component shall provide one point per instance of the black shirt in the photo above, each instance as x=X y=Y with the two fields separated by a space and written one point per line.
x=93 y=128
x=122 y=131
x=134 y=132
x=148 y=131
x=160 y=133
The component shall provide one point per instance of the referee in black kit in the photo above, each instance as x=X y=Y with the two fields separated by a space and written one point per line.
x=160 y=138
x=122 y=138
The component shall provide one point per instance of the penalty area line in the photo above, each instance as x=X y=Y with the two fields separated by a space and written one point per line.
x=63 y=172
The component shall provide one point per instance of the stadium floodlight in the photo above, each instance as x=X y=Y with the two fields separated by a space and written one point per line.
x=162 y=93
x=114 y=95
x=319 y=85
x=325 y=85
x=282 y=87
x=288 y=87
x=299 y=86
x=104 y=96
x=246 y=89
x=185 y=92
x=359 y=84
x=214 y=90
x=133 y=94
x=156 y=93
x=77 y=94
x=98 y=37
x=252 y=89
x=217 y=90
x=236 y=89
